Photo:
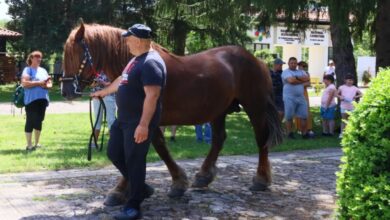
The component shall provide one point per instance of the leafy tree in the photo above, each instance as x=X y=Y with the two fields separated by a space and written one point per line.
x=3 y=22
x=382 y=33
x=347 y=18
x=177 y=18
x=197 y=42
x=41 y=25
x=45 y=24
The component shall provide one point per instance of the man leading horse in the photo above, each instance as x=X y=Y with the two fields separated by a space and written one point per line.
x=203 y=87
x=139 y=91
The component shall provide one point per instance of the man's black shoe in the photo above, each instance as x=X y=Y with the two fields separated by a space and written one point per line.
x=307 y=136
x=172 y=139
x=291 y=136
x=129 y=214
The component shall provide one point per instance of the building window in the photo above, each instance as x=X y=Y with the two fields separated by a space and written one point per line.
x=305 y=54
x=259 y=46
x=279 y=51
x=330 y=53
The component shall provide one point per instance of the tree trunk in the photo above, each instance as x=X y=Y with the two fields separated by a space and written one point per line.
x=180 y=31
x=382 y=31
x=341 y=40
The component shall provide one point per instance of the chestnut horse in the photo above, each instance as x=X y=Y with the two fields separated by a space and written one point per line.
x=200 y=88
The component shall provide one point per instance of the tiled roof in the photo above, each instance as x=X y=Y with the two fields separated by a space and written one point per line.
x=7 y=33
x=312 y=16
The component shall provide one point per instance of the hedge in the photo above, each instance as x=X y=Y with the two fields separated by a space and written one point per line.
x=363 y=183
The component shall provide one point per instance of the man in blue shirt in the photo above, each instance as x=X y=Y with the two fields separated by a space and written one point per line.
x=138 y=99
x=293 y=97
x=277 y=85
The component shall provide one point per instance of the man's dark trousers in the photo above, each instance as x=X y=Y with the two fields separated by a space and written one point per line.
x=130 y=158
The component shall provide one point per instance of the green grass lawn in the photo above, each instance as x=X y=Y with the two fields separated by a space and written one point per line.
x=7 y=91
x=65 y=138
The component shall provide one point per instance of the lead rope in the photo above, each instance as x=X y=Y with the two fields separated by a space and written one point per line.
x=93 y=126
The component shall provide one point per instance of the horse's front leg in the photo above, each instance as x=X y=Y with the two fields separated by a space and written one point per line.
x=179 y=178
x=117 y=195
x=208 y=170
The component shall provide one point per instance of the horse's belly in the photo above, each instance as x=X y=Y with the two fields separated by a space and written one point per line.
x=194 y=111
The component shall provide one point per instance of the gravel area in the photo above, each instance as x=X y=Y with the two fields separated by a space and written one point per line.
x=303 y=188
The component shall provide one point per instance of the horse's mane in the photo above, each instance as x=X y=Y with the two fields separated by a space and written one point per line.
x=162 y=50
x=107 y=47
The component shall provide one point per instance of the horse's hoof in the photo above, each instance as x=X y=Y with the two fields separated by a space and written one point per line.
x=258 y=187
x=114 y=199
x=176 y=193
x=148 y=191
x=201 y=181
x=259 y=184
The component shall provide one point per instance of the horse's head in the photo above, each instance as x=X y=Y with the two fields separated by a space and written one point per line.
x=88 y=49
x=77 y=74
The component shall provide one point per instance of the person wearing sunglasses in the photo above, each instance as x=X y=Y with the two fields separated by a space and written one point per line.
x=36 y=82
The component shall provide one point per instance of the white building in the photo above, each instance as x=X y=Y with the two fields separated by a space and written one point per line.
x=313 y=46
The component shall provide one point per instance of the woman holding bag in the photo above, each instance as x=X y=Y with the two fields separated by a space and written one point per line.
x=36 y=82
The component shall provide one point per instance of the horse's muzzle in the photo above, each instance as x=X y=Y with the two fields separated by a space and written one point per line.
x=68 y=90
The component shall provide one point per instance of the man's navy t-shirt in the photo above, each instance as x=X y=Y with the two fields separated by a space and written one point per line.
x=147 y=69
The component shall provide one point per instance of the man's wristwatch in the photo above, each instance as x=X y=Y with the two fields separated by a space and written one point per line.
x=296 y=77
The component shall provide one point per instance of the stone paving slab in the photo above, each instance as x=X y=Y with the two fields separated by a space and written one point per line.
x=303 y=188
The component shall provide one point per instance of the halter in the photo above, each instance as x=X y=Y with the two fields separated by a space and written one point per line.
x=87 y=59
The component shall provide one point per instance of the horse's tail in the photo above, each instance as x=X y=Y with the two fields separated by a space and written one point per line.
x=275 y=131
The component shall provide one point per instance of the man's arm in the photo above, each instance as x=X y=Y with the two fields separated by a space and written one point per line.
x=298 y=79
x=152 y=93
x=112 y=88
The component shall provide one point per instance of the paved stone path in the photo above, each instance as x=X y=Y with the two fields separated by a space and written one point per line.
x=83 y=106
x=54 y=108
x=303 y=188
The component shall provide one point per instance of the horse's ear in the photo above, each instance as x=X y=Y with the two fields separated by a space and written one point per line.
x=80 y=33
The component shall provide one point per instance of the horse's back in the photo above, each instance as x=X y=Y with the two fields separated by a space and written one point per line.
x=202 y=86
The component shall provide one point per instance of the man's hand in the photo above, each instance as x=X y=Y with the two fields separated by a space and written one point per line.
x=304 y=78
x=97 y=94
x=141 y=134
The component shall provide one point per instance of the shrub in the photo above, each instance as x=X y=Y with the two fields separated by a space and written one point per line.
x=363 y=184
x=266 y=56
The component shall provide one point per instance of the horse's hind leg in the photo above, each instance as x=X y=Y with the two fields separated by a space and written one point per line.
x=179 y=177
x=263 y=179
x=208 y=170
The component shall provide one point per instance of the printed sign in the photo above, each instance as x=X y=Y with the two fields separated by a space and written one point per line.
x=284 y=36
x=317 y=37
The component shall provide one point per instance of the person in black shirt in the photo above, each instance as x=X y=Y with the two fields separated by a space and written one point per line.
x=138 y=99
x=277 y=84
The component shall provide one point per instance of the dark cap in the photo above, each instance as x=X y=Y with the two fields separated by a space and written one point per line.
x=278 y=61
x=138 y=30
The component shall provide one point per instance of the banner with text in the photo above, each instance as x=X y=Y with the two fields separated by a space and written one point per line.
x=311 y=37
x=284 y=36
